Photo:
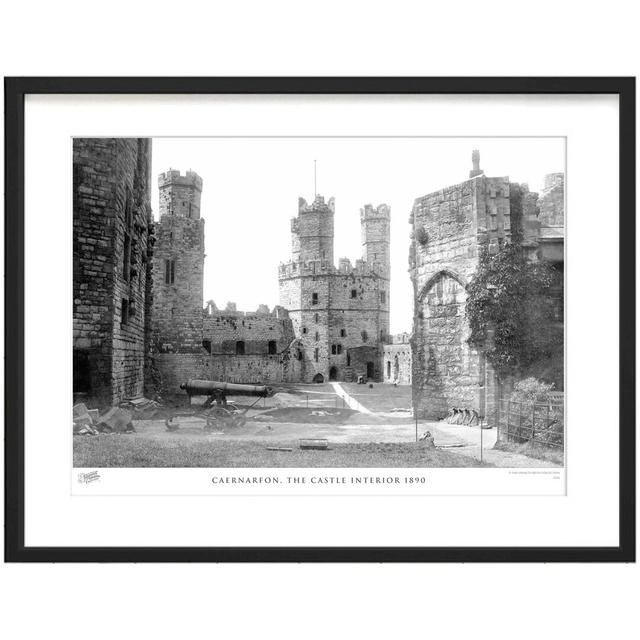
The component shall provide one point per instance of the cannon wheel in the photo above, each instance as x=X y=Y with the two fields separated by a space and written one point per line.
x=222 y=417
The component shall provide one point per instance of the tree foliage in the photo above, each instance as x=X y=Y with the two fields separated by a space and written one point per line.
x=509 y=297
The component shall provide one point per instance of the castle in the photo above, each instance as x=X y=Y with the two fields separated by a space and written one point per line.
x=340 y=314
x=139 y=322
x=450 y=228
x=330 y=323
x=139 y=325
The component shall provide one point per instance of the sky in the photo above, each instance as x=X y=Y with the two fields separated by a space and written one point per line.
x=251 y=188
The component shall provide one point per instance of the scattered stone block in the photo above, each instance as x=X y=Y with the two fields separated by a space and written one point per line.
x=116 y=420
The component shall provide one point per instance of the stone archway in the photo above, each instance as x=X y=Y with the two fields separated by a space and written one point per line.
x=318 y=378
x=449 y=379
x=333 y=373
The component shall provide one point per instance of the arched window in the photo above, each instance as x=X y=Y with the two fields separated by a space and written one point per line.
x=240 y=348
x=272 y=347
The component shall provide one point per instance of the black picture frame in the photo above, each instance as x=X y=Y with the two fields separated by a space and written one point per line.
x=15 y=91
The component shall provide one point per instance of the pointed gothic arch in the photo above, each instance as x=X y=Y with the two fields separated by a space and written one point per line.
x=428 y=285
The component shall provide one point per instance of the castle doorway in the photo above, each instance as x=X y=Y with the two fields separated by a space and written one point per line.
x=318 y=378
x=371 y=371
x=333 y=373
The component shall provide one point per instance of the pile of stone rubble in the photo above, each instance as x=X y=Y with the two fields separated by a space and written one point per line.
x=90 y=422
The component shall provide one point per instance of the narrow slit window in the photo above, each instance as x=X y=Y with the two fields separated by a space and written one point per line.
x=124 y=311
x=169 y=271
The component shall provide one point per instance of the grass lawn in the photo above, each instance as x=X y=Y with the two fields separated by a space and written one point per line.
x=135 y=450
x=383 y=397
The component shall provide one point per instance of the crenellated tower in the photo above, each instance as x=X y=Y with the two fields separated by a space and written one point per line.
x=178 y=264
x=375 y=223
x=340 y=315
x=312 y=230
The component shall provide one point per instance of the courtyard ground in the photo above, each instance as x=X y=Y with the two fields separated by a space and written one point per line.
x=385 y=436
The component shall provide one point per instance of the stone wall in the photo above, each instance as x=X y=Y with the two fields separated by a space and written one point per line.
x=450 y=229
x=552 y=201
x=176 y=368
x=111 y=225
x=397 y=361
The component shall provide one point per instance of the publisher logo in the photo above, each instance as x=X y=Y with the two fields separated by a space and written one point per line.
x=90 y=476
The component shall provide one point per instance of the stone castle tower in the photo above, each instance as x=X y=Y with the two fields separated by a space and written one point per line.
x=178 y=265
x=375 y=238
x=340 y=315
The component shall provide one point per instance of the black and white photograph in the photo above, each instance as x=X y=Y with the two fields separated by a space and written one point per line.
x=351 y=302
x=373 y=318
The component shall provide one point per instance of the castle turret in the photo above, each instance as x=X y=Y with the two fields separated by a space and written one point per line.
x=180 y=194
x=178 y=264
x=312 y=230
x=375 y=228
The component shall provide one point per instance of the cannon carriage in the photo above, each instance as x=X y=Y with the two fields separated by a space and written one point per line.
x=217 y=411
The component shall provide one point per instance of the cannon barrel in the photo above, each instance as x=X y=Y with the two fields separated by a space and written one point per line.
x=209 y=387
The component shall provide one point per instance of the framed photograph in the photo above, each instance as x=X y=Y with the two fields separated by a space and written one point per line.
x=320 y=319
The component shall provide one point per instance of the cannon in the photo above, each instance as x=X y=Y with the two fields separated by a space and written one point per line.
x=217 y=389
x=216 y=411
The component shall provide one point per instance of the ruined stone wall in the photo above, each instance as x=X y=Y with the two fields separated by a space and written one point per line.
x=397 y=363
x=176 y=368
x=449 y=228
x=224 y=330
x=111 y=225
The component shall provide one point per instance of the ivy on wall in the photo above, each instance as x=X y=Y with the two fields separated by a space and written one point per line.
x=509 y=297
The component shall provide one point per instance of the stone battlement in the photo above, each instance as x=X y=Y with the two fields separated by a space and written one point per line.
x=296 y=269
x=317 y=205
x=175 y=177
x=263 y=310
x=369 y=212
